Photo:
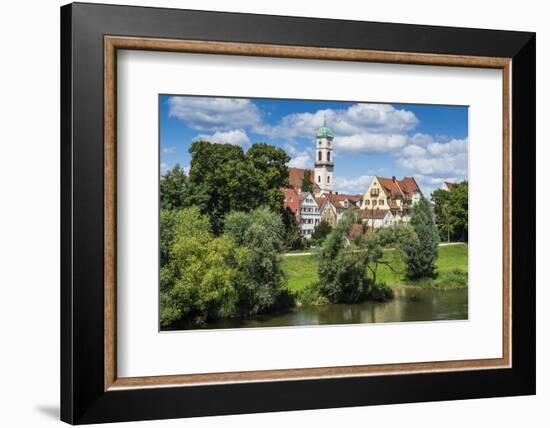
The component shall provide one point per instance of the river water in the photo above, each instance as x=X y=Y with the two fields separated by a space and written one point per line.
x=409 y=304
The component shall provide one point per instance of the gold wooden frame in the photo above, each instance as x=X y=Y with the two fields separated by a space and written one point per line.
x=113 y=43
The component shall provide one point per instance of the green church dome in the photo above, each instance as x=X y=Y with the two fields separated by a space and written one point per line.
x=324 y=131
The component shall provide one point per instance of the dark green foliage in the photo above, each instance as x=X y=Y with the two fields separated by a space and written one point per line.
x=174 y=191
x=348 y=272
x=341 y=272
x=198 y=272
x=307 y=185
x=380 y=292
x=223 y=178
x=321 y=231
x=421 y=254
x=293 y=240
x=262 y=285
x=451 y=212
x=311 y=295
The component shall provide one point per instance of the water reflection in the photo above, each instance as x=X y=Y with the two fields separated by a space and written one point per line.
x=409 y=304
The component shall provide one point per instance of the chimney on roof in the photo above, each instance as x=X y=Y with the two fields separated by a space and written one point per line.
x=336 y=192
x=393 y=178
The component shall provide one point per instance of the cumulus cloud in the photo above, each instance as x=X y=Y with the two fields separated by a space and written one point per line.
x=236 y=137
x=356 y=119
x=299 y=159
x=421 y=139
x=215 y=114
x=414 y=151
x=354 y=185
x=302 y=160
x=369 y=143
x=437 y=159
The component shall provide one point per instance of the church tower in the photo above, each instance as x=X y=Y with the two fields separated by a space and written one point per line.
x=324 y=161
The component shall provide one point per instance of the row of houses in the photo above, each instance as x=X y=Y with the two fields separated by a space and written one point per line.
x=386 y=202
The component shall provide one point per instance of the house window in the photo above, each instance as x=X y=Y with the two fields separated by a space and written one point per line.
x=374 y=202
x=319 y=179
x=368 y=201
x=320 y=156
x=328 y=176
x=328 y=156
x=381 y=202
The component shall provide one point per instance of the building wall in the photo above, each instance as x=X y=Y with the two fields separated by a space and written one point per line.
x=310 y=216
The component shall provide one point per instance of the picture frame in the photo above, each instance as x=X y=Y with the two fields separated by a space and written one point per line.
x=91 y=391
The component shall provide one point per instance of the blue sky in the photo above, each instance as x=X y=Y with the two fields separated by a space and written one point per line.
x=425 y=141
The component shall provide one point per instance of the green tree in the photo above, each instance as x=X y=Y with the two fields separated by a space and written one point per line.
x=293 y=240
x=198 y=270
x=321 y=231
x=262 y=285
x=421 y=254
x=341 y=276
x=307 y=185
x=173 y=189
x=447 y=221
x=459 y=207
x=223 y=178
x=451 y=212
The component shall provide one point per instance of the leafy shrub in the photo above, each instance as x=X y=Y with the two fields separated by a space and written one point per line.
x=310 y=296
x=380 y=293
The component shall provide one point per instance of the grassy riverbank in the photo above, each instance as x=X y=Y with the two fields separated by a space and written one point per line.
x=452 y=270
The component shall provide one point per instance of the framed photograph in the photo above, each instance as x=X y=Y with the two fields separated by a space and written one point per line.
x=267 y=213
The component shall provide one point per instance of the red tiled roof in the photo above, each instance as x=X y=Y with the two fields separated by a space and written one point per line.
x=404 y=188
x=321 y=202
x=296 y=177
x=390 y=186
x=408 y=185
x=292 y=200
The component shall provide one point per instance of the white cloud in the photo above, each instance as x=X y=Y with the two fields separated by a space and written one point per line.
x=299 y=159
x=353 y=185
x=453 y=146
x=168 y=150
x=356 y=119
x=421 y=139
x=236 y=137
x=369 y=143
x=413 y=150
x=215 y=114
x=302 y=160
x=438 y=159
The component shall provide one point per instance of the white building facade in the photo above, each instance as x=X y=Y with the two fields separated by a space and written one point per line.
x=310 y=214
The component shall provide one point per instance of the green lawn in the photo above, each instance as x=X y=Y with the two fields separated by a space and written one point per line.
x=301 y=271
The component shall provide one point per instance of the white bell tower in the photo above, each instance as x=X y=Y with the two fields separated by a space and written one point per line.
x=324 y=160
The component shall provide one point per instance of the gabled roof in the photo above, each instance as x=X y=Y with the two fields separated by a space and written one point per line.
x=409 y=185
x=321 y=202
x=390 y=186
x=404 y=188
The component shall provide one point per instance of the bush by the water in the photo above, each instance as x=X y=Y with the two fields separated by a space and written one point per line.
x=456 y=278
x=348 y=271
x=204 y=277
